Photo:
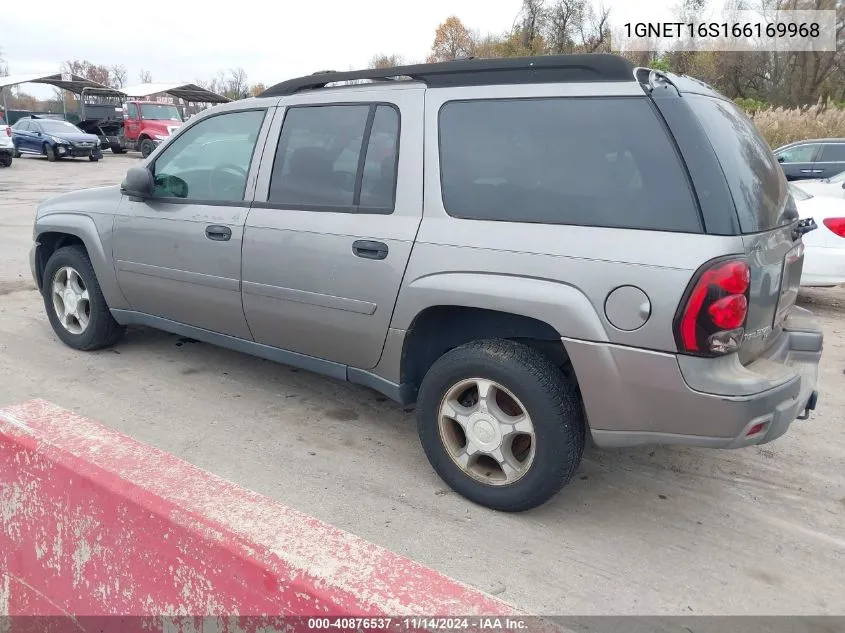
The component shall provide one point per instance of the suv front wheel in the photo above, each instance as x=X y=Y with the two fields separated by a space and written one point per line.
x=501 y=424
x=75 y=304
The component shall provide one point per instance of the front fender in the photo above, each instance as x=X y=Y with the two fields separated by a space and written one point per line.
x=563 y=307
x=96 y=234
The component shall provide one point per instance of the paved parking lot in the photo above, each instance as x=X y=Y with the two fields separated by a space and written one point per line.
x=647 y=531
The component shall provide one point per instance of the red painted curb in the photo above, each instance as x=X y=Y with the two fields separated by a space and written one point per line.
x=96 y=524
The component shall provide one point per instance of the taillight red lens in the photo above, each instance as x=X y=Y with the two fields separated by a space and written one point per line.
x=716 y=309
x=729 y=313
x=837 y=225
x=8 y=131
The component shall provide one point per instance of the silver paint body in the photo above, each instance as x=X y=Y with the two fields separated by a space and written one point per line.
x=288 y=287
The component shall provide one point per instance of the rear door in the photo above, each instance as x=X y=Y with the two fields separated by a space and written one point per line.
x=767 y=217
x=831 y=160
x=328 y=239
x=798 y=162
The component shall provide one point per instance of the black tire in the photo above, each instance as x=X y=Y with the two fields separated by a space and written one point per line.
x=17 y=153
x=50 y=151
x=117 y=149
x=6 y=160
x=549 y=397
x=93 y=159
x=103 y=330
x=147 y=146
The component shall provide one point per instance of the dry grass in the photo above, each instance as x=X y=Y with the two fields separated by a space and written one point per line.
x=780 y=126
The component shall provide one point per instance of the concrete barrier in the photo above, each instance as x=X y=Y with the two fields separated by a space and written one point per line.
x=97 y=524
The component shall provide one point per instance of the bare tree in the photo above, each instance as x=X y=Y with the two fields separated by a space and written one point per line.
x=564 y=25
x=145 y=76
x=118 y=76
x=532 y=19
x=385 y=61
x=236 y=83
x=4 y=65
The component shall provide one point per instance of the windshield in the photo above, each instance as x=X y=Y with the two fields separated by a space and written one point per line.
x=755 y=179
x=59 y=127
x=156 y=112
x=798 y=193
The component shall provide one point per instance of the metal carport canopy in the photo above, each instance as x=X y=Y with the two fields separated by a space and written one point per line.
x=188 y=92
x=75 y=85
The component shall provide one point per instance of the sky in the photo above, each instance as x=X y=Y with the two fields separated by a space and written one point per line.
x=273 y=41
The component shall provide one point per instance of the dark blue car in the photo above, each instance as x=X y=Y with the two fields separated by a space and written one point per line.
x=54 y=138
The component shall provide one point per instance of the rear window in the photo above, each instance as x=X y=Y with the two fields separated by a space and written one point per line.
x=581 y=161
x=756 y=180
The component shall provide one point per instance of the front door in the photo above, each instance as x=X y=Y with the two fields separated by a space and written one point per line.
x=798 y=162
x=178 y=254
x=330 y=234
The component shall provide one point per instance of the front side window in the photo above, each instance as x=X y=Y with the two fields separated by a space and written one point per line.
x=210 y=161
x=581 y=161
x=799 y=154
x=337 y=158
x=132 y=110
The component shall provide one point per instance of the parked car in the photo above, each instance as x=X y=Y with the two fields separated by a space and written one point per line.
x=833 y=187
x=815 y=158
x=7 y=146
x=54 y=138
x=824 y=248
x=521 y=247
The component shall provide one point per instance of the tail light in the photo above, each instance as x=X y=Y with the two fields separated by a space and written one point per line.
x=837 y=225
x=711 y=318
x=8 y=131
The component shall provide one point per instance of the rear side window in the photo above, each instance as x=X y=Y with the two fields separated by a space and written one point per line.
x=833 y=153
x=756 y=180
x=337 y=158
x=582 y=161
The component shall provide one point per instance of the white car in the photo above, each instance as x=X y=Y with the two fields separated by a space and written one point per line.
x=824 y=248
x=833 y=187
x=7 y=147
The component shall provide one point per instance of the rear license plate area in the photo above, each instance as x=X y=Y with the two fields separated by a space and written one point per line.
x=790 y=281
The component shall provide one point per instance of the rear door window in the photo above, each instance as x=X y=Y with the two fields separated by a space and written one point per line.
x=832 y=153
x=756 y=180
x=581 y=161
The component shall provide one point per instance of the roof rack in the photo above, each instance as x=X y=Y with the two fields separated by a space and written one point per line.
x=478 y=72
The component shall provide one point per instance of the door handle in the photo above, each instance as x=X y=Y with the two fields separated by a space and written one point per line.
x=806 y=171
x=218 y=233
x=369 y=249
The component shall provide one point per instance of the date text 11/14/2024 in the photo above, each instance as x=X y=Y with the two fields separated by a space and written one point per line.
x=419 y=623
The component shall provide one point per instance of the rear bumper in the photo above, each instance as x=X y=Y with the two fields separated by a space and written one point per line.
x=635 y=397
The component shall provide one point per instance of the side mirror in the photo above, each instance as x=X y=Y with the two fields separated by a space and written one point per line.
x=843 y=185
x=138 y=184
x=781 y=159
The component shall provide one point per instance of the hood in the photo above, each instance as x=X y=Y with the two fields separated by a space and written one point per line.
x=74 y=137
x=98 y=199
x=163 y=123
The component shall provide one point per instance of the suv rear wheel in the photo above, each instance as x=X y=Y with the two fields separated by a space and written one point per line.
x=75 y=304
x=501 y=424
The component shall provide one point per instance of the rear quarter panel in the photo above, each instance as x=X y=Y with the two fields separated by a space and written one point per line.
x=559 y=274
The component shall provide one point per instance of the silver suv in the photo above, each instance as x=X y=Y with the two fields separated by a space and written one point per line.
x=535 y=251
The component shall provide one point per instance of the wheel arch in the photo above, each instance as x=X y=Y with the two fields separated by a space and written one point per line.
x=64 y=229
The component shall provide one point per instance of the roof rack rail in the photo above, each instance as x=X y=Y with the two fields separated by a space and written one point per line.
x=478 y=72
